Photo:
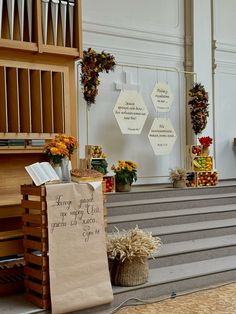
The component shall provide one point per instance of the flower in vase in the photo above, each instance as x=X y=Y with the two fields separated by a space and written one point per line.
x=205 y=141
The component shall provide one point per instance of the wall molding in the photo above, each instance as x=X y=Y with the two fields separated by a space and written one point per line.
x=145 y=58
x=134 y=33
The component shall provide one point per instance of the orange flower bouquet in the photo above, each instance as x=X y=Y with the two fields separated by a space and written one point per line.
x=61 y=147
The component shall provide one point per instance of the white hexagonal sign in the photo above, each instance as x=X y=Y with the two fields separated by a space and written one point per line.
x=162 y=136
x=130 y=112
x=162 y=97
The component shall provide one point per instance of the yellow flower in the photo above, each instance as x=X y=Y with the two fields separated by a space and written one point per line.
x=129 y=168
x=118 y=169
x=54 y=151
x=113 y=167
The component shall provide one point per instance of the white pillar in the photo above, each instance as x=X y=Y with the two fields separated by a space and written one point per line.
x=202 y=54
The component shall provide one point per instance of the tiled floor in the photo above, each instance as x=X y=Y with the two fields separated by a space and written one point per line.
x=220 y=300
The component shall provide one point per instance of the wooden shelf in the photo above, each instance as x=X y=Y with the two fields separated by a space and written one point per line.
x=20 y=150
x=58 y=50
x=19 y=45
x=10 y=199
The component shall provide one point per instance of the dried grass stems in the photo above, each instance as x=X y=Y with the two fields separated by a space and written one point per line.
x=177 y=174
x=129 y=244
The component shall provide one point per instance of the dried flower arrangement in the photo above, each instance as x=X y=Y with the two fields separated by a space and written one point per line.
x=127 y=245
x=91 y=65
x=198 y=107
x=177 y=174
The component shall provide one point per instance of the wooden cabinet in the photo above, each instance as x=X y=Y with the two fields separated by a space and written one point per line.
x=37 y=89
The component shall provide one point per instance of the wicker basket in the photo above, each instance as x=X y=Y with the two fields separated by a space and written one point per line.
x=130 y=272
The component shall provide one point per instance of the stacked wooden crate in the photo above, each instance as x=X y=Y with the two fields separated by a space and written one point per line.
x=36 y=245
x=11 y=250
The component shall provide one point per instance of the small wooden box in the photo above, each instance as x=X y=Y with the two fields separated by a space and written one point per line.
x=207 y=178
x=93 y=151
x=109 y=184
x=191 y=180
x=202 y=163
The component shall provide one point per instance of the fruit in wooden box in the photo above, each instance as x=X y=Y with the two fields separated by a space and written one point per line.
x=110 y=183
x=191 y=180
x=202 y=164
x=196 y=150
x=207 y=178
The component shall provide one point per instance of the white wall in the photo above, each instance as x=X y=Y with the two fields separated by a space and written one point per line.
x=225 y=86
x=143 y=33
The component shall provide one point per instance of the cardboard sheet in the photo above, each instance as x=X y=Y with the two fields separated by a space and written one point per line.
x=78 y=267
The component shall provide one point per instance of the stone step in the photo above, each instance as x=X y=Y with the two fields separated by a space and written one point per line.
x=194 y=250
x=176 y=279
x=153 y=219
x=195 y=230
x=155 y=191
x=171 y=203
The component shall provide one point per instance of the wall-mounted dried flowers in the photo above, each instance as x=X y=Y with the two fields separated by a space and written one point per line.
x=198 y=107
x=91 y=65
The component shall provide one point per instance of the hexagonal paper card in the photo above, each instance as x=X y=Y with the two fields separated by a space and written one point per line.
x=130 y=112
x=162 y=97
x=162 y=136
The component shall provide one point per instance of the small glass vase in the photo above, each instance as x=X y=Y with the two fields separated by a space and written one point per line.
x=58 y=170
x=205 y=151
x=65 y=169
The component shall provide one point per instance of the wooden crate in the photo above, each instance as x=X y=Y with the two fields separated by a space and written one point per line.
x=11 y=247
x=36 y=245
x=35 y=232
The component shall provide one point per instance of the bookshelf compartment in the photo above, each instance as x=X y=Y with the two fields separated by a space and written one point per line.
x=58 y=101
x=12 y=99
x=36 y=101
x=3 y=101
x=24 y=100
x=47 y=102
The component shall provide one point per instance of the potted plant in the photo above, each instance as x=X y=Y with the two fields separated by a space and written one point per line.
x=205 y=141
x=125 y=175
x=128 y=253
x=178 y=177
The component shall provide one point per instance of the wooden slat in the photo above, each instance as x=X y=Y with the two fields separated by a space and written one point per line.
x=24 y=100
x=12 y=100
x=11 y=211
x=3 y=101
x=35 y=219
x=33 y=205
x=78 y=28
x=38 y=260
x=38 y=274
x=35 y=231
x=41 y=289
x=42 y=303
x=12 y=247
x=36 y=101
x=58 y=101
x=48 y=126
x=11 y=234
x=34 y=245
x=33 y=190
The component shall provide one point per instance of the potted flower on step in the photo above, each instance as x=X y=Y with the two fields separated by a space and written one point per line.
x=125 y=175
x=178 y=177
x=128 y=253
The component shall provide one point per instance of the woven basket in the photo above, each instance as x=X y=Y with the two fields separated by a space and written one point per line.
x=130 y=272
